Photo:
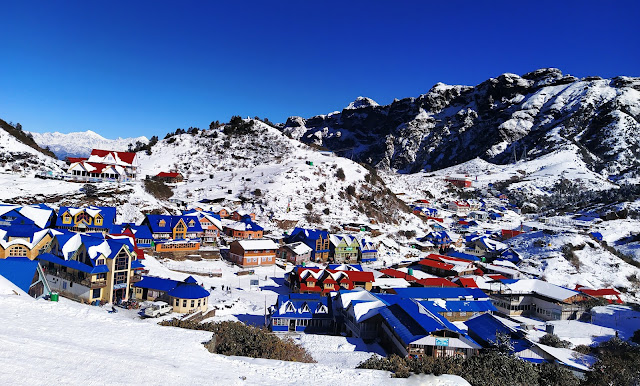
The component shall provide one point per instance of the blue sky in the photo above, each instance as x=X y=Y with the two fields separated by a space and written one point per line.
x=129 y=68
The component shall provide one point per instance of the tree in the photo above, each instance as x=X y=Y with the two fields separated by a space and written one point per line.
x=18 y=127
x=90 y=190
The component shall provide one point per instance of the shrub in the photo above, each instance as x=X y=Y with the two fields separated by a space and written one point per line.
x=351 y=190
x=257 y=192
x=158 y=189
x=326 y=211
x=554 y=341
x=340 y=174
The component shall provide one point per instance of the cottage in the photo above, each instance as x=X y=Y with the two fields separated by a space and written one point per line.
x=461 y=208
x=174 y=233
x=249 y=253
x=324 y=281
x=169 y=177
x=307 y=313
x=296 y=253
x=188 y=296
x=367 y=252
x=210 y=222
x=89 y=219
x=240 y=214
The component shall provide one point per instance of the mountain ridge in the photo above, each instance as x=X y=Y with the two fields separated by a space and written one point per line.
x=80 y=143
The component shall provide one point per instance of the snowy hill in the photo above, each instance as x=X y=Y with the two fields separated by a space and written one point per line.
x=80 y=144
x=277 y=177
x=527 y=116
x=20 y=155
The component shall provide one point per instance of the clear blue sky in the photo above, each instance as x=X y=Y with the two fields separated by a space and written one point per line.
x=128 y=68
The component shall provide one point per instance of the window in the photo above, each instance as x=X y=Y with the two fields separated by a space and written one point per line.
x=98 y=220
x=83 y=216
x=199 y=302
x=100 y=262
x=120 y=277
x=66 y=218
x=177 y=302
x=96 y=293
x=162 y=223
x=18 y=251
x=193 y=303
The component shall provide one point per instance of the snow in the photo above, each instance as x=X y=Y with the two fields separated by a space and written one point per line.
x=71 y=245
x=8 y=288
x=103 y=248
x=622 y=318
x=80 y=144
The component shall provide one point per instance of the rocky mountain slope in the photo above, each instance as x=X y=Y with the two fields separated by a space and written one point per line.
x=20 y=154
x=524 y=116
x=80 y=144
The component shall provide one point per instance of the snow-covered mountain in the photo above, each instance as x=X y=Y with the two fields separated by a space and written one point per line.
x=80 y=144
x=19 y=154
x=525 y=116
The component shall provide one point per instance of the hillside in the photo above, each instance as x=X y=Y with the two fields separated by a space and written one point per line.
x=275 y=176
x=507 y=117
x=80 y=144
x=20 y=154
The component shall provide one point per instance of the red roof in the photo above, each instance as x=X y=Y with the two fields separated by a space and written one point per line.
x=76 y=159
x=398 y=274
x=168 y=175
x=360 y=276
x=600 y=292
x=435 y=264
x=468 y=282
x=99 y=167
x=497 y=276
x=329 y=280
x=436 y=282
x=311 y=279
x=303 y=287
x=123 y=155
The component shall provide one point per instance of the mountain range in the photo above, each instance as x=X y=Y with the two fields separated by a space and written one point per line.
x=500 y=120
x=80 y=144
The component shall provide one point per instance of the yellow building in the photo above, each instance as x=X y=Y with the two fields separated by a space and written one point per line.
x=23 y=242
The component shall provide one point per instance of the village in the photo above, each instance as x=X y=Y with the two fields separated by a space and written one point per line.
x=461 y=286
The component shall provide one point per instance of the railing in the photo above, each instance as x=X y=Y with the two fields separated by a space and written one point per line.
x=135 y=278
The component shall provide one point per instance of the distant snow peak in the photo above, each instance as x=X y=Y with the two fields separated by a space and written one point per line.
x=361 y=102
x=80 y=144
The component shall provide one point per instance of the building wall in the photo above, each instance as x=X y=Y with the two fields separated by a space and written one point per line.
x=184 y=306
x=177 y=247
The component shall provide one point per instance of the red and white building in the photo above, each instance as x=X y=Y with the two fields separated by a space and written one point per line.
x=105 y=164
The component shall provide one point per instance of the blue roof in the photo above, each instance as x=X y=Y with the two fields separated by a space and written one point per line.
x=27 y=231
x=20 y=271
x=156 y=283
x=310 y=234
x=485 y=327
x=297 y=302
x=465 y=256
x=460 y=305
x=136 y=264
x=356 y=267
x=153 y=221
x=73 y=264
x=108 y=214
x=440 y=292
x=188 y=289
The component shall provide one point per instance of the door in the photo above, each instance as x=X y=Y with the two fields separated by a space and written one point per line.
x=292 y=325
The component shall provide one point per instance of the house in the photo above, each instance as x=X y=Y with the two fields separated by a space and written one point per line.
x=90 y=268
x=188 y=296
x=210 y=222
x=250 y=253
x=89 y=219
x=611 y=295
x=357 y=313
x=435 y=282
x=343 y=248
x=243 y=229
x=485 y=246
x=23 y=241
x=126 y=160
x=169 y=177
x=409 y=328
x=25 y=274
x=478 y=215
x=141 y=233
x=440 y=239
x=151 y=288
x=443 y=266
x=38 y=215
x=459 y=181
x=296 y=253
x=459 y=310
x=390 y=272
x=367 y=252
x=309 y=313
x=539 y=299
x=85 y=170
x=174 y=233
x=240 y=214
x=461 y=208
x=221 y=211
x=317 y=240
x=324 y=281
x=501 y=267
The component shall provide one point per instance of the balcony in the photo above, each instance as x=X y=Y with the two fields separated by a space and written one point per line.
x=135 y=278
x=97 y=284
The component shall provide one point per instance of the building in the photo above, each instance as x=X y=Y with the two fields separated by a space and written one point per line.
x=459 y=181
x=151 y=288
x=367 y=251
x=309 y=313
x=25 y=274
x=89 y=219
x=317 y=240
x=243 y=229
x=240 y=214
x=188 y=296
x=37 y=215
x=169 y=177
x=211 y=225
x=296 y=253
x=343 y=249
x=23 y=241
x=324 y=281
x=174 y=233
x=90 y=268
x=539 y=299
x=141 y=233
x=105 y=164
x=250 y=253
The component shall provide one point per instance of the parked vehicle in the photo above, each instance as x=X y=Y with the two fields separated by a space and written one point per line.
x=158 y=309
